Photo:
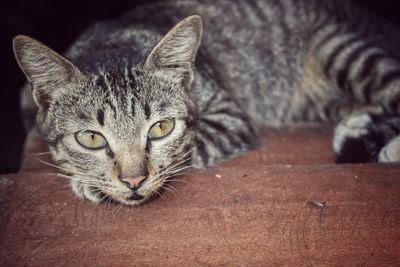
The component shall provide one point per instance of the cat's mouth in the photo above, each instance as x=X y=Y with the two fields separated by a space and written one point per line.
x=136 y=196
x=107 y=198
x=131 y=199
x=119 y=193
x=126 y=195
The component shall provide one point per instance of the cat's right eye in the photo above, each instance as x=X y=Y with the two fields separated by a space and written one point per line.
x=90 y=139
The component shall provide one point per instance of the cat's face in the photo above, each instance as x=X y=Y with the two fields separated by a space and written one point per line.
x=107 y=133
x=122 y=132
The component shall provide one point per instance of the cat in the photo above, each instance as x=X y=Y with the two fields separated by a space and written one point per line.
x=134 y=102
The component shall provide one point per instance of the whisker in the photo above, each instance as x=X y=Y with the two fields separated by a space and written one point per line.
x=179 y=169
x=69 y=178
x=59 y=167
x=161 y=195
x=102 y=199
x=39 y=154
x=171 y=187
x=167 y=189
x=173 y=167
x=85 y=180
x=172 y=179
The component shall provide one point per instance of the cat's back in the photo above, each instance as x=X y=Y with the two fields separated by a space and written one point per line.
x=228 y=24
x=259 y=50
x=254 y=47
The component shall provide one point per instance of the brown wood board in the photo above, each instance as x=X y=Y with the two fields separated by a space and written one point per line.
x=247 y=212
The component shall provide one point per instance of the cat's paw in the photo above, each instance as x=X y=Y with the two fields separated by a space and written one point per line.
x=390 y=152
x=350 y=130
x=365 y=138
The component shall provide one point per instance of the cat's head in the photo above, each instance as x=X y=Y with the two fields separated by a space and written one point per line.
x=120 y=132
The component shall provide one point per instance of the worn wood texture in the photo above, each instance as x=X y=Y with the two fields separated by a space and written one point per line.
x=249 y=211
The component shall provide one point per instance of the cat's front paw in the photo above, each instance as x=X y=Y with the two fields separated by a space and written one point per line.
x=348 y=141
x=390 y=152
x=365 y=138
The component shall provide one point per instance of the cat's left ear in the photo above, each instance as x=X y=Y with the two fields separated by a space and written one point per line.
x=177 y=49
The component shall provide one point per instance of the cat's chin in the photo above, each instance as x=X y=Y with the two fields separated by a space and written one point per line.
x=129 y=202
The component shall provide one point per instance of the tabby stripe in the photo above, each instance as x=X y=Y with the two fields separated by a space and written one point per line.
x=110 y=153
x=73 y=155
x=131 y=80
x=107 y=81
x=260 y=10
x=201 y=149
x=388 y=78
x=307 y=111
x=340 y=31
x=234 y=114
x=334 y=55
x=83 y=116
x=100 y=83
x=385 y=80
x=331 y=110
x=147 y=111
x=128 y=77
x=283 y=22
x=223 y=131
x=371 y=63
x=100 y=117
x=111 y=105
x=133 y=105
x=212 y=139
x=319 y=26
x=367 y=90
x=148 y=146
x=226 y=111
x=351 y=60
x=342 y=79
x=328 y=38
x=210 y=102
x=54 y=142
x=394 y=103
x=309 y=12
x=254 y=10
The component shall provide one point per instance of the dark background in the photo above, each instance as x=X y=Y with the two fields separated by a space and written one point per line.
x=57 y=23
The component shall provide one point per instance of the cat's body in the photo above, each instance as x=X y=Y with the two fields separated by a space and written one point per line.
x=260 y=63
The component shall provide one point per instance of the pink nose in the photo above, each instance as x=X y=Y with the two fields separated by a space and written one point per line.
x=134 y=182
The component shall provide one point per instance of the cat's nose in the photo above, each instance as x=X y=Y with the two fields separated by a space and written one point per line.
x=133 y=182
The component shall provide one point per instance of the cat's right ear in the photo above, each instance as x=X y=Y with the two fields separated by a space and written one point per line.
x=177 y=49
x=44 y=69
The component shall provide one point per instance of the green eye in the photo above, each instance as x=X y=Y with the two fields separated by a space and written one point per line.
x=91 y=140
x=161 y=129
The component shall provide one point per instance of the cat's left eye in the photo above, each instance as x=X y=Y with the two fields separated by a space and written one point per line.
x=161 y=129
x=90 y=139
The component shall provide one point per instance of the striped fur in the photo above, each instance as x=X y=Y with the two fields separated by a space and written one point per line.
x=260 y=63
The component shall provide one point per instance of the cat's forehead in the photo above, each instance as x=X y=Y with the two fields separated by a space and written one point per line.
x=128 y=98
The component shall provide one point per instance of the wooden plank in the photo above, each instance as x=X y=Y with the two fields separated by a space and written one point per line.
x=303 y=215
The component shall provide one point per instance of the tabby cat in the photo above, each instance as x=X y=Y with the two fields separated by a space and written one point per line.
x=128 y=108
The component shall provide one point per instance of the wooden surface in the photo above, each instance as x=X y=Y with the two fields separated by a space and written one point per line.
x=283 y=205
